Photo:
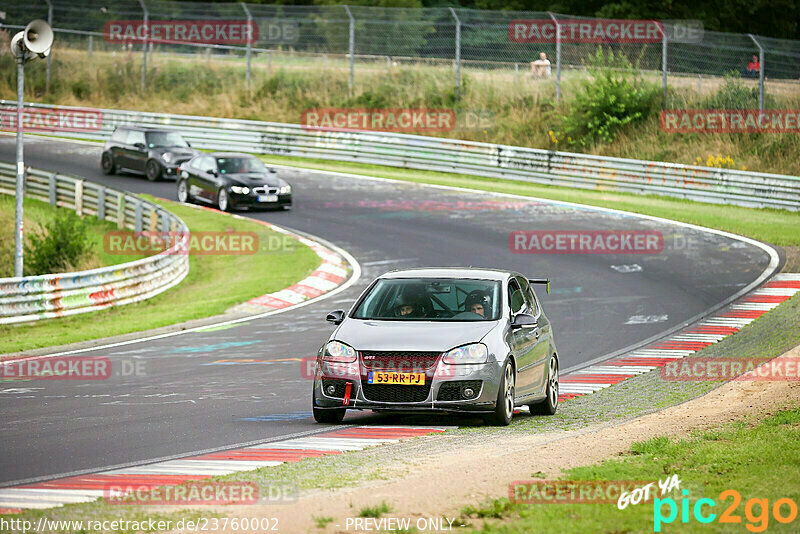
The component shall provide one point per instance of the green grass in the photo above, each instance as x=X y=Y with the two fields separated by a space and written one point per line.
x=37 y=214
x=214 y=284
x=778 y=227
x=375 y=511
x=321 y=522
x=760 y=461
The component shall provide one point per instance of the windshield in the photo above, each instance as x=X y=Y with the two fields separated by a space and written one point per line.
x=165 y=139
x=431 y=299
x=236 y=165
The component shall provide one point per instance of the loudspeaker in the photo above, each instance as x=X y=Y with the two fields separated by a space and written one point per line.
x=38 y=37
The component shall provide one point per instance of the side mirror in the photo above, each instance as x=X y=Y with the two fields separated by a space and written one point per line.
x=335 y=317
x=188 y=144
x=140 y=146
x=212 y=172
x=523 y=319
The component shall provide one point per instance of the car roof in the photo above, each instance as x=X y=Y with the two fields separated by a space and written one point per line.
x=451 y=272
x=231 y=155
x=143 y=129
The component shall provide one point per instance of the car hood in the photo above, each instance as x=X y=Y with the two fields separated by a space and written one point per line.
x=177 y=152
x=256 y=179
x=410 y=336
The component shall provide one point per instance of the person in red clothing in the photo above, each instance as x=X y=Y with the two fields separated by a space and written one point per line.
x=752 y=69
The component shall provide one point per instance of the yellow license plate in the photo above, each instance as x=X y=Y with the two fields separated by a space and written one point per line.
x=403 y=379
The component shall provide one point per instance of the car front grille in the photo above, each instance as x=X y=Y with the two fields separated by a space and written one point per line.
x=403 y=362
x=453 y=391
x=395 y=393
x=265 y=190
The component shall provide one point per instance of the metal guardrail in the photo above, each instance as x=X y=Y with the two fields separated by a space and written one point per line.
x=31 y=298
x=704 y=184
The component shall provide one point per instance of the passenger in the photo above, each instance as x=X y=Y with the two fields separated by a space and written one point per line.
x=477 y=303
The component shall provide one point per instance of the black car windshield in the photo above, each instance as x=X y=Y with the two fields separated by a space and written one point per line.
x=237 y=165
x=165 y=139
x=431 y=299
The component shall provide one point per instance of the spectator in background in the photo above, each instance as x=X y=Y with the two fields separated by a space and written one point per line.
x=541 y=67
x=752 y=69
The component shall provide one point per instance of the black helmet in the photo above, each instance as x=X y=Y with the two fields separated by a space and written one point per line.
x=405 y=300
x=478 y=297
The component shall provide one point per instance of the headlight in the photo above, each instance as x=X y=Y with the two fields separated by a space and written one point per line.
x=240 y=189
x=285 y=190
x=167 y=157
x=339 y=352
x=474 y=353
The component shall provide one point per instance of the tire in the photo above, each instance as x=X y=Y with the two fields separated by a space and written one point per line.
x=107 y=164
x=504 y=406
x=330 y=416
x=152 y=170
x=223 y=200
x=550 y=404
x=183 y=192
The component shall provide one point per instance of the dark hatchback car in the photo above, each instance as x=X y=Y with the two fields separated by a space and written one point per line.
x=153 y=152
x=230 y=180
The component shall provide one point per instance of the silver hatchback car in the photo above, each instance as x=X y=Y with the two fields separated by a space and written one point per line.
x=440 y=340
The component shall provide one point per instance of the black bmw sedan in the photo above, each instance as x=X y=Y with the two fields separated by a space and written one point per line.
x=230 y=180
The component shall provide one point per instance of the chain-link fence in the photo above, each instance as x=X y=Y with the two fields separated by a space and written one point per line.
x=545 y=47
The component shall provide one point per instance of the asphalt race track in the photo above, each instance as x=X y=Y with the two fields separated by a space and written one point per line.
x=599 y=304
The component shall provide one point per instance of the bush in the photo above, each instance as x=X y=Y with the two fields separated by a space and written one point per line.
x=612 y=98
x=57 y=246
x=735 y=95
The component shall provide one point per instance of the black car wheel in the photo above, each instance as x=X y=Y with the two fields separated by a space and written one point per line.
x=107 y=163
x=550 y=404
x=152 y=170
x=504 y=407
x=183 y=191
x=223 y=200
x=332 y=416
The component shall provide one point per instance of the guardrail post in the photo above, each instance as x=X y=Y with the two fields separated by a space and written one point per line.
x=51 y=189
x=121 y=212
x=101 y=203
x=269 y=63
x=164 y=223
x=458 y=50
x=249 y=40
x=760 y=73
x=91 y=46
x=558 y=56
x=50 y=55
x=145 y=20
x=79 y=198
x=352 y=46
x=137 y=221
x=153 y=220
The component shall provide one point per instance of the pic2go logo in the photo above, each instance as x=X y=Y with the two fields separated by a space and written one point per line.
x=756 y=511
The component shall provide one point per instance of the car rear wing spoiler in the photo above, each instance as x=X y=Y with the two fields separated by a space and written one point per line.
x=545 y=281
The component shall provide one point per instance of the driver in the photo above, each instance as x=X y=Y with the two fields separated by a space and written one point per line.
x=477 y=302
x=407 y=306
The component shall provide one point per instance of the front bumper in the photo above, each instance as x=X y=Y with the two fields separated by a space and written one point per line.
x=250 y=200
x=483 y=379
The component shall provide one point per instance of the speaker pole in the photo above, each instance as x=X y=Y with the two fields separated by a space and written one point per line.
x=18 y=213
